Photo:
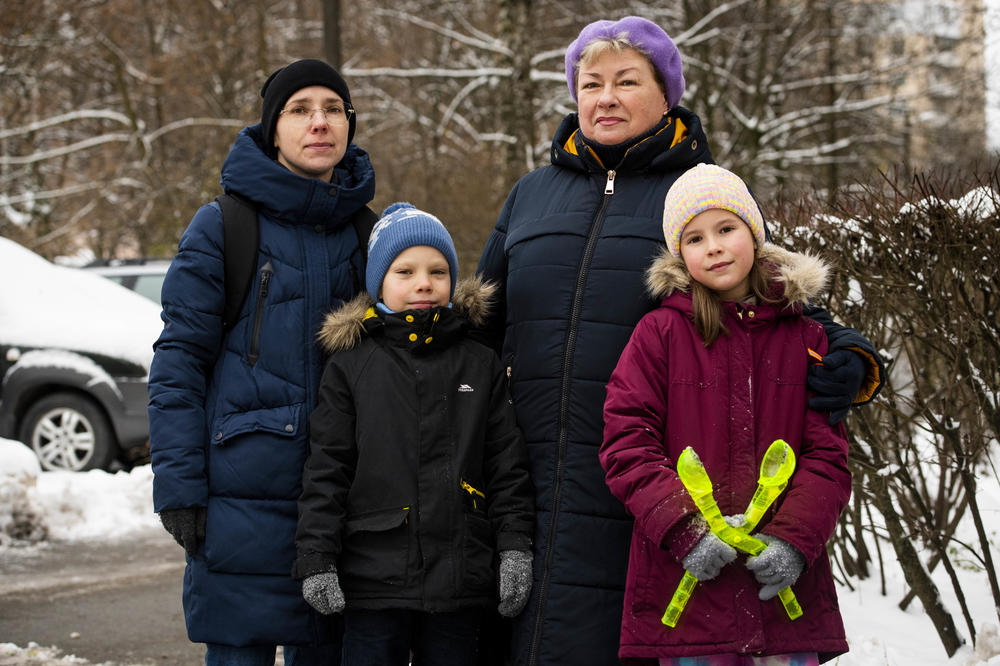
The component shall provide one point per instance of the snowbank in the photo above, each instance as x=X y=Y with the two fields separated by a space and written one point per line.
x=69 y=506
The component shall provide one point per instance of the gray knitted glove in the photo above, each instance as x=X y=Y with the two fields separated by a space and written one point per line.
x=708 y=556
x=186 y=526
x=777 y=567
x=515 y=581
x=323 y=592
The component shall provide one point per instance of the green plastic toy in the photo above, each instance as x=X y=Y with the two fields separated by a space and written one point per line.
x=775 y=470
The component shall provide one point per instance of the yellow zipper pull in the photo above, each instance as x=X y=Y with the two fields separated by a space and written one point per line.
x=472 y=491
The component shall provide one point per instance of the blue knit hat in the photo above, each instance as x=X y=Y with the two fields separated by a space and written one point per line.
x=403 y=226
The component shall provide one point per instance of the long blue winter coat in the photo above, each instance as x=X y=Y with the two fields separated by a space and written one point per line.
x=228 y=411
x=569 y=252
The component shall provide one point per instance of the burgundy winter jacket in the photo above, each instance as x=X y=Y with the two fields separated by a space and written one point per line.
x=729 y=402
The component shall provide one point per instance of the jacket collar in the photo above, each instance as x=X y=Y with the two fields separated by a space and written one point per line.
x=800 y=276
x=343 y=328
x=291 y=198
x=678 y=146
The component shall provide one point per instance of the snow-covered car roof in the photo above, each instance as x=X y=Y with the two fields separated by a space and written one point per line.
x=148 y=267
x=43 y=305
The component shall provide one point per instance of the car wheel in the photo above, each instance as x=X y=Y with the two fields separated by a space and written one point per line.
x=68 y=432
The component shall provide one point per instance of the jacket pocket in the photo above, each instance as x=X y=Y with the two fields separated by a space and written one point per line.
x=377 y=547
x=699 y=369
x=282 y=421
x=652 y=576
x=253 y=350
x=256 y=454
x=478 y=576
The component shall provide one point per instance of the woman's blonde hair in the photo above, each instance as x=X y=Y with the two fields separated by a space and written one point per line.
x=616 y=45
x=706 y=306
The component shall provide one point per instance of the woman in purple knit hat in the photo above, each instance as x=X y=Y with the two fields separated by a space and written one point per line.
x=568 y=252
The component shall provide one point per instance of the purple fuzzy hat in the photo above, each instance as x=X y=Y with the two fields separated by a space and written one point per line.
x=645 y=35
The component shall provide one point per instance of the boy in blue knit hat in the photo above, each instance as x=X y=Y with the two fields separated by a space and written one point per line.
x=416 y=494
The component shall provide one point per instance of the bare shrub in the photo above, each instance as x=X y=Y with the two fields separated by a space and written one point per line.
x=915 y=271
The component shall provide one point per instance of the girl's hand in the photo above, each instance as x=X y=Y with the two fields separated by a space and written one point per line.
x=708 y=556
x=777 y=567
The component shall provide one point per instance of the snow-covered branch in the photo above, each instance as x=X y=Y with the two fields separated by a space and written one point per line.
x=193 y=122
x=71 y=116
x=480 y=43
x=427 y=72
x=40 y=156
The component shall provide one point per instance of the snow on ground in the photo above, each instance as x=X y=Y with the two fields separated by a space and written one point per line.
x=98 y=504
x=12 y=655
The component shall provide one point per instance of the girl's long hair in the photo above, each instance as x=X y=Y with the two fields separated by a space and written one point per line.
x=706 y=305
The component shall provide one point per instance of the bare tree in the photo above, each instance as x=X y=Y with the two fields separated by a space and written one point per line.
x=117 y=113
x=331 y=32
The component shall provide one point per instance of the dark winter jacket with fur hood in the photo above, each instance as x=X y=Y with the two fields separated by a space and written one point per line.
x=728 y=401
x=417 y=474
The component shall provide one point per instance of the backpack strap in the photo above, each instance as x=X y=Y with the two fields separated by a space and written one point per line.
x=364 y=221
x=241 y=239
x=239 y=251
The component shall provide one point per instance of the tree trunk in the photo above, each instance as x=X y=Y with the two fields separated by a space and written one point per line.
x=517 y=98
x=913 y=570
x=969 y=481
x=331 y=32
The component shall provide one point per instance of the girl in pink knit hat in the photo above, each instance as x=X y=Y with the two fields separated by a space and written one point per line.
x=721 y=367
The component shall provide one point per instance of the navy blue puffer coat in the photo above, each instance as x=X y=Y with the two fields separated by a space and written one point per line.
x=228 y=411
x=569 y=253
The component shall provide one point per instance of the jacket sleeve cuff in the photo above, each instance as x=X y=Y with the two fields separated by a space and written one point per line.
x=684 y=535
x=873 y=381
x=308 y=564
x=507 y=540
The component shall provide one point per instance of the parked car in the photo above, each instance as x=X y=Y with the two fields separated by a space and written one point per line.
x=75 y=350
x=143 y=276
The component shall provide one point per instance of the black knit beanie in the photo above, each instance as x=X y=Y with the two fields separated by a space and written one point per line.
x=285 y=82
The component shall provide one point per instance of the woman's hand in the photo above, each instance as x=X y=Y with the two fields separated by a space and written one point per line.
x=836 y=382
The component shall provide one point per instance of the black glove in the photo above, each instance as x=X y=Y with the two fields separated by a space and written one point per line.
x=186 y=526
x=836 y=383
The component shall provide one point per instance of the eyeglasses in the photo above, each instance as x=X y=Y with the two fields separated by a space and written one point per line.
x=303 y=115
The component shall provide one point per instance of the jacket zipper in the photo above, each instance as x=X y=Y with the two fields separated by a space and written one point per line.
x=265 y=279
x=467 y=487
x=574 y=322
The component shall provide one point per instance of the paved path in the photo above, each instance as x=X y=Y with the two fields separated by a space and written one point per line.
x=107 y=602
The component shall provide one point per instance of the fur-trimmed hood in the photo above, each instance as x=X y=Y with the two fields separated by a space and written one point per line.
x=342 y=328
x=802 y=276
